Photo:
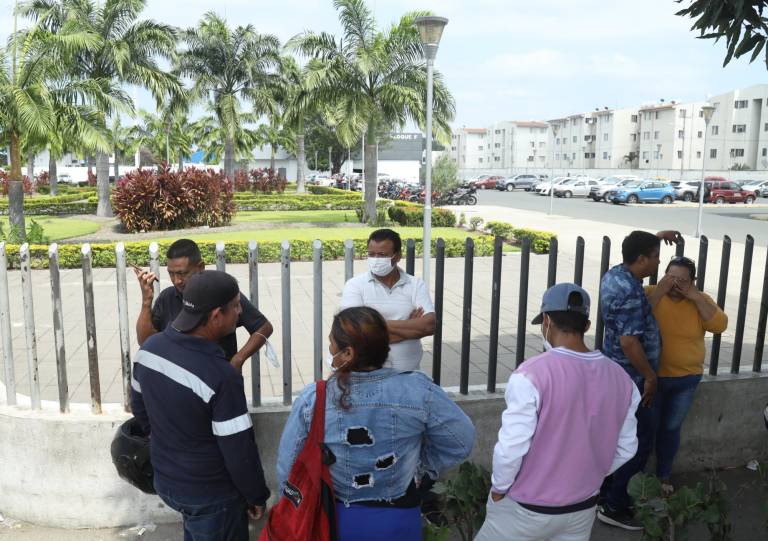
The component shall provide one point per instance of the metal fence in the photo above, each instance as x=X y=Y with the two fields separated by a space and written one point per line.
x=318 y=333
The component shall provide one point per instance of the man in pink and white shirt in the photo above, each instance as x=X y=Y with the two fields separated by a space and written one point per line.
x=569 y=423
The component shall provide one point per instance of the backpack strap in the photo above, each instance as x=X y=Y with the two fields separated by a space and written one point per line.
x=317 y=429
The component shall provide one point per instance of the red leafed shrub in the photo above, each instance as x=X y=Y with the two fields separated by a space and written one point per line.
x=42 y=179
x=4 y=183
x=259 y=180
x=91 y=178
x=148 y=199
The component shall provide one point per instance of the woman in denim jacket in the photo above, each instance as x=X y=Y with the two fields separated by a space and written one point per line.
x=391 y=432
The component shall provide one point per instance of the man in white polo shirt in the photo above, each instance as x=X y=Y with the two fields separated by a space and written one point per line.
x=403 y=300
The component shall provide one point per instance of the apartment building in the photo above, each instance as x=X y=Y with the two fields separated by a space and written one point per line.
x=572 y=142
x=468 y=148
x=503 y=145
x=738 y=131
x=671 y=136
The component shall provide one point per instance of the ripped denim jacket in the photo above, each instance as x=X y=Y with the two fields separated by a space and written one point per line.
x=399 y=426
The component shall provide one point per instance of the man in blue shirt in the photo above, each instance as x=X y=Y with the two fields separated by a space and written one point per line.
x=632 y=339
x=191 y=401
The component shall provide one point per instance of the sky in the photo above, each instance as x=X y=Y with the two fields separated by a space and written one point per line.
x=519 y=60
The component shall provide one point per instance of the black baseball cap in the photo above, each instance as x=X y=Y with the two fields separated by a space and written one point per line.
x=204 y=292
x=556 y=300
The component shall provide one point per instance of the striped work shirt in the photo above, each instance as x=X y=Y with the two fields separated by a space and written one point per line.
x=192 y=402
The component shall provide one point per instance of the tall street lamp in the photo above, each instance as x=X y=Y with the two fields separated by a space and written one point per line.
x=430 y=30
x=707 y=110
x=555 y=130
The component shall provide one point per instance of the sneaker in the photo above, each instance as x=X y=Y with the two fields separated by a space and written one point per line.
x=620 y=519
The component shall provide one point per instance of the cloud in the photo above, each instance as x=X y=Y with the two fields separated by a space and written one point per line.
x=553 y=64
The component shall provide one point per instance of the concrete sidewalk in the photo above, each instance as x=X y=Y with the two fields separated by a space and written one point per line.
x=302 y=327
x=745 y=491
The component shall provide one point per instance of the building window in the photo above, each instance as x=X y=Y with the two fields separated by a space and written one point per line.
x=712 y=153
x=453 y=148
x=680 y=134
x=766 y=127
x=715 y=130
x=575 y=138
x=557 y=156
x=497 y=132
x=497 y=145
x=586 y=155
x=656 y=155
x=740 y=104
x=497 y=159
x=739 y=128
x=633 y=118
x=698 y=153
x=541 y=144
x=655 y=135
x=480 y=147
x=682 y=113
x=765 y=152
x=645 y=155
x=657 y=115
x=605 y=137
x=605 y=155
x=541 y=158
x=700 y=134
x=646 y=135
x=634 y=138
x=479 y=160
x=530 y=158
x=737 y=153
x=557 y=141
x=573 y=156
x=680 y=154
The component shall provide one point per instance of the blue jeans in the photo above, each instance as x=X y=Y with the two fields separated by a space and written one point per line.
x=614 y=491
x=364 y=523
x=208 y=518
x=674 y=397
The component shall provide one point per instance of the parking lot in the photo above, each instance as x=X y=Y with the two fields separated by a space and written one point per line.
x=735 y=220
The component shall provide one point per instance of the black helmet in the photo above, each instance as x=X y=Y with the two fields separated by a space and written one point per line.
x=130 y=454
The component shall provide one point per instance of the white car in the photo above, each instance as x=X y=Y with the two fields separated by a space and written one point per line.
x=543 y=187
x=322 y=180
x=599 y=192
x=578 y=187
x=65 y=178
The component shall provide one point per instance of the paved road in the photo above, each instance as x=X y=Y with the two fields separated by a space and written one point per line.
x=733 y=220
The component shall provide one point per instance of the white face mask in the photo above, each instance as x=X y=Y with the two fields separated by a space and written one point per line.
x=329 y=359
x=545 y=342
x=270 y=352
x=380 y=266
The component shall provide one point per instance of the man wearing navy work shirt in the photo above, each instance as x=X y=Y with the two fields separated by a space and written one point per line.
x=191 y=402
x=183 y=261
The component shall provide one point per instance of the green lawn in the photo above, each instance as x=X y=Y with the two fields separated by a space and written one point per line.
x=297 y=216
x=312 y=233
x=58 y=228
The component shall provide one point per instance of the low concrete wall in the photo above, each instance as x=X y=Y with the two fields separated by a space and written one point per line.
x=56 y=469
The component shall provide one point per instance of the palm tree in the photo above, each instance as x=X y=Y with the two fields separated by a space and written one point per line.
x=376 y=79
x=34 y=88
x=210 y=136
x=122 y=141
x=227 y=66
x=167 y=135
x=126 y=52
x=298 y=104
x=275 y=136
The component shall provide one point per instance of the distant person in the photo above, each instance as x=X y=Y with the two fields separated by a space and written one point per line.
x=391 y=433
x=632 y=339
x=569 y=422
x=403 y=300
x=191 y=402
x=184 y=260
x=684 y=315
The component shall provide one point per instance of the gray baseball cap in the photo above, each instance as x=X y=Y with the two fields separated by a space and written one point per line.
x=556 y=300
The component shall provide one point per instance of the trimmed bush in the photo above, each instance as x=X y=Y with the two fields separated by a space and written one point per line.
x=539 y=239
x=328 y=190
x=137 y=253
x=4 y=183
x=412 y=215
x=300 y=202
x=259 y=180
x=150 y=200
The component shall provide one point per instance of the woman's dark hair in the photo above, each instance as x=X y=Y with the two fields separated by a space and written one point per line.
x=685 y=263
x=638 y=243
x=365 y=331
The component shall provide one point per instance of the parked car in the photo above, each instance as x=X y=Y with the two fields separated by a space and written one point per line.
x=644 y=191
x=609 y=184
x=542 y=188
x=322 y=180
x=487 y=183
x=727 y=192
x=518 y=181
x=65 y=178
x=758 y=187
x=578 y=187
x=687 y=191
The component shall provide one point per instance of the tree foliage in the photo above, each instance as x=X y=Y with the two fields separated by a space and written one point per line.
x=741 y=22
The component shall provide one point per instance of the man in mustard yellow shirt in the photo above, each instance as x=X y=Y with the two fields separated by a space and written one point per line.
x=684 y=315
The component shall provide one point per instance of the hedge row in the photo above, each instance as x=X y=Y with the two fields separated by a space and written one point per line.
x=539 y=239
x=412 y=215
x=74 y=207
x=328 y=190
x=137 y=253
x=41 y=201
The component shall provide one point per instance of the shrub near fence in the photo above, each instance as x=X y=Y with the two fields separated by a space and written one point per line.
x=412 y=215
x=539 y=239
x=137 y=253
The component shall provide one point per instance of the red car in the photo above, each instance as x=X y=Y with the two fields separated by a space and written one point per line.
x=487 y=183
x=722 y=192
